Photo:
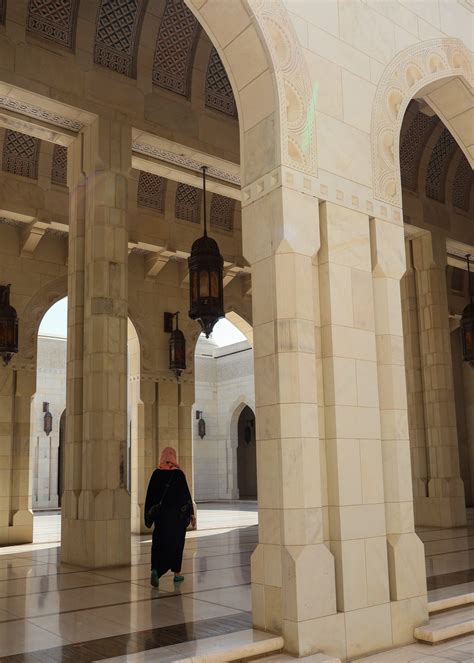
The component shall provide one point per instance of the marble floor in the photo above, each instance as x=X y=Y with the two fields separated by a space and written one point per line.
x=55 y=612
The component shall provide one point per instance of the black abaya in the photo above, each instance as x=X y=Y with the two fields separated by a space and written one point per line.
x=170 y=526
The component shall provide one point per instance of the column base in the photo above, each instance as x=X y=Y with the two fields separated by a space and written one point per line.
x=96 y=528
x=20 y=532
x=96 y=543
x=440 y=512
x=293 y=587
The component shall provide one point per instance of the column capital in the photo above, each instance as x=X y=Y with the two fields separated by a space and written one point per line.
x=284 y=220
x=387 y=244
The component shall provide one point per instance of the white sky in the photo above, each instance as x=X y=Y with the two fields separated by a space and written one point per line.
x=54 y=323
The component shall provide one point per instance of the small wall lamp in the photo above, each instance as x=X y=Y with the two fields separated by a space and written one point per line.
x=201 y=424
x=177 y=344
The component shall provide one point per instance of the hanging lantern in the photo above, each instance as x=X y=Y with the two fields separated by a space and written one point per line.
x=206 y=286
x=467 y=321
x=177 y=345
x=201 y=424
x=8 y=326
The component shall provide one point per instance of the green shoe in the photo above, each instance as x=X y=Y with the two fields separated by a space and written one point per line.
x=178 y=578
x=155 y=578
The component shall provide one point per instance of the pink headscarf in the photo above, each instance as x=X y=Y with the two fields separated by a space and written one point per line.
x=168 y=460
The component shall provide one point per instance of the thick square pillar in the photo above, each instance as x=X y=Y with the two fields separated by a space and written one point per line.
x=357 y=520
x=406 y=559
x=96 y=514
x=293 y=584
x=444 y=504
x=17 y=387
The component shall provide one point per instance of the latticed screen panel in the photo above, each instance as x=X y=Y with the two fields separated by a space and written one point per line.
x=222 y=212
x=117 y=35
x=151 y=191
x=188 y=203
x=53 y=19
x=219 y=93
x=59 y=165
x=463 y=182
x=412 y=146
x=177 y=38
x=20 y=154
x=438 y=166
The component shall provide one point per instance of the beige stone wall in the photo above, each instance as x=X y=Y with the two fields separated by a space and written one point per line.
x=50 y=388
x=224 y=384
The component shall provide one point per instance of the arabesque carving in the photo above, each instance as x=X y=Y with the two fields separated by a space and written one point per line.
x=297 y=97
x=408 y=73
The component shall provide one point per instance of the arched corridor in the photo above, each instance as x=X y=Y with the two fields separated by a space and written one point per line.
x=305 y=168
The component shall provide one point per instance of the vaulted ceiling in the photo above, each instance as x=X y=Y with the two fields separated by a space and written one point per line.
x=432 y=164
x=118 y=27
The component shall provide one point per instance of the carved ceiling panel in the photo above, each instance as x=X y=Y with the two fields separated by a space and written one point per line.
x=59 y=166
x=222 y=212
x=53 y=19
x=175 y=46
x=188 y=203
x=219 y=95
x=411 y=148
x=462 y=185
x=151 y=191
x=21 y=154
x=438 y=165
x=117 y=35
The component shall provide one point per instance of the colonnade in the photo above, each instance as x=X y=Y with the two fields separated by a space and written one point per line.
x=337 y=551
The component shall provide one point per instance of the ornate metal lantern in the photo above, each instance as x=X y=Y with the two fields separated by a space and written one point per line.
x=467 y=321
x=206 y=287
x=8 y=326
x=177 y=345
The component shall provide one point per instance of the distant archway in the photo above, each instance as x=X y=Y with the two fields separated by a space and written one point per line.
x=246 y=455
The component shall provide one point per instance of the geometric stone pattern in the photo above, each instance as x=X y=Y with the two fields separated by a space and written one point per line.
x=20 y=154
x=54 y=20
x=175 y=45
x=39 y=113
x=188 y=203
x=438 y=166
x=59 y=165
x=219 y=93
x=183 y=161
x=3 y=10
x=462 y=184
x=222 y=212
x=411 y=148
x=151 y=191
x=117 y=35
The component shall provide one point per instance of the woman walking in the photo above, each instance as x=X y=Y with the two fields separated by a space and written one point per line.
x=169 y=507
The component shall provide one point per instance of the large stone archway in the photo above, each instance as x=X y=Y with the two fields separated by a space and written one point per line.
x=423 y=65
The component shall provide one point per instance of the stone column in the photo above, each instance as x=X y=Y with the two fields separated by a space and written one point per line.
x=468 y=381
x=96 y=526
x=16 y=517
x=144 y=450
x=293 y=585
x=353 y=439
x=185 y=433
x=414 y=381
x=406 y=559
x=445 y=488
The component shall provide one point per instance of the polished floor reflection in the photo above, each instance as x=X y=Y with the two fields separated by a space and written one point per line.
x=55 y=612
x=46 y=606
